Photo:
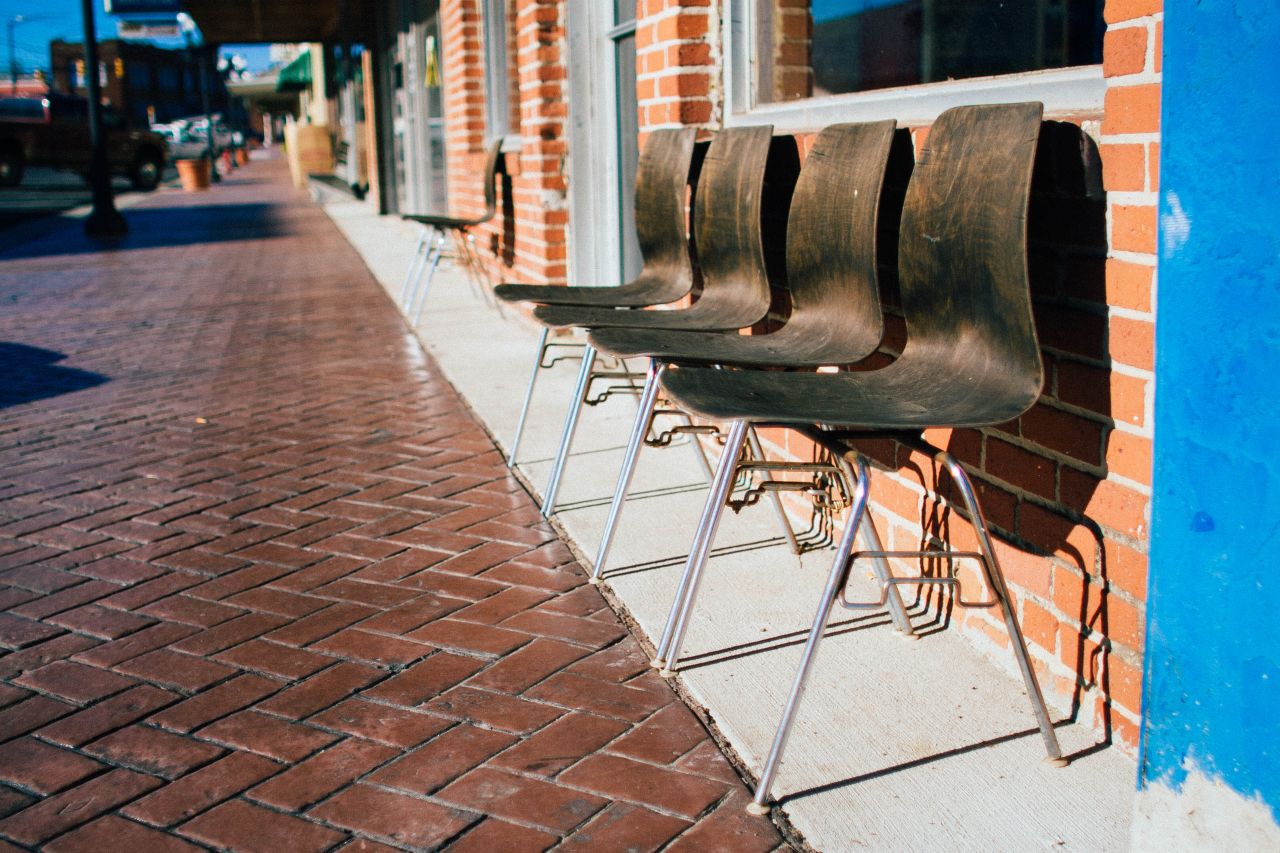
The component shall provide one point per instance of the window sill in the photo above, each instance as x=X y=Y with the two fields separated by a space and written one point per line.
x=1073 y=92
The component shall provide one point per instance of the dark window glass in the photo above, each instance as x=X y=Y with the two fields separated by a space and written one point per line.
x=831 y=47
x=501 y=45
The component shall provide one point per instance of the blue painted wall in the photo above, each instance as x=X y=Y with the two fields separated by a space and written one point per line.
x=1212 y=668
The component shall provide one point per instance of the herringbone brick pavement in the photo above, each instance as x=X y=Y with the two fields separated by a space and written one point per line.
x=266 y=584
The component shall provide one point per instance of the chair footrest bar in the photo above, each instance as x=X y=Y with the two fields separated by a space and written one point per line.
x=821 y=497
x=665 y=437
x=919 y=580
x=609 y=392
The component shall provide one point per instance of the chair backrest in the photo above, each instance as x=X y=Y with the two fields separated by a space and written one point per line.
x=492 y=161
x=962 y=251
x=727 y=218
x=831 y=241
x=662 y=179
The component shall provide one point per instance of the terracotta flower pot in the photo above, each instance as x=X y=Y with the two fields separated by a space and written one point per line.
x=242 y=156
x=194 y=174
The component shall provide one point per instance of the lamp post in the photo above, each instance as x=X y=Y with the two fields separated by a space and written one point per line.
x=104 y=220
x=13 y=56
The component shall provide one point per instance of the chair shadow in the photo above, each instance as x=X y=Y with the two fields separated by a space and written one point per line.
x=826 y=787
x=30 y=373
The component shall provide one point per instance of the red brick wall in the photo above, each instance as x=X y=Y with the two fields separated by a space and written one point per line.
x=1067 y=486
x=526 y=240
x=677 y=51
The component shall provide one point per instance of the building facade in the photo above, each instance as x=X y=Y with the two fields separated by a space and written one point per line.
x=145 y=83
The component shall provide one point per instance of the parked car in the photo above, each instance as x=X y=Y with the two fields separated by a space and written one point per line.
x=54 y=131
x=223 y=136
x=182 y=144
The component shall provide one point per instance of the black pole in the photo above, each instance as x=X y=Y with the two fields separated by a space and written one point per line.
x=105 y=220
x=205 y=84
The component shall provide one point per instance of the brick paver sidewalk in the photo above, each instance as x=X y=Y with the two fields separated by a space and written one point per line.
x=266 y=584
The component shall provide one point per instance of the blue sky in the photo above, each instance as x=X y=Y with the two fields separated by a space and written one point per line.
x=53 y=19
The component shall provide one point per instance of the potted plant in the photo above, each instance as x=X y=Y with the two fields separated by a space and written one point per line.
x=195 y=174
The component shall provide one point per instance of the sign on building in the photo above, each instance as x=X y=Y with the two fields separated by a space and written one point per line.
x=164 y=29
x=142 y=7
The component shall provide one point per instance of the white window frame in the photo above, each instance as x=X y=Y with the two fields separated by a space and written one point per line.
x=497 y=85
x=1076 y=91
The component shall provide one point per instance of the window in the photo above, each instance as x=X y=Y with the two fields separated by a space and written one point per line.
x=811 y=62
x=502 y=70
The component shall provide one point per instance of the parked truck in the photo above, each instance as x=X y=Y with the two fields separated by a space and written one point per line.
x=54 y=131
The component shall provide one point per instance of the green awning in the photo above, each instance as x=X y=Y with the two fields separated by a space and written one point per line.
x=295 y=76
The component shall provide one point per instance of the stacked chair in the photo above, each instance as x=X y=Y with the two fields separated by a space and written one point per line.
x=432 y=240
x=727 y=210
x=663 y=174
x=835 y=316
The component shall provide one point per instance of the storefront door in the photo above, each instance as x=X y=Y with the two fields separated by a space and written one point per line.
x=603 y=146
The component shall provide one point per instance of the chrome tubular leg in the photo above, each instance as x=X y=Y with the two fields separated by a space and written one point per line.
x=580 y=392
x=871 y=540
x=411 y=277
x=644 y=417
x=528 y=396
x=682 y=608
x=835 y=581
x=432 y=247
x=710 y=509
x=996 y=578
x=421 y=298
x=757 y=450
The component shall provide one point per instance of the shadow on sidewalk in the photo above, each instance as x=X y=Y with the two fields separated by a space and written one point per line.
x=29 y=373
x=158 y=227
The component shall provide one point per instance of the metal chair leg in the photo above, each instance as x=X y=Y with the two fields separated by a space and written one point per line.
x=644 y=417
x=421 y=298
x=415 y=267
x=687 y=592
x=995 y=577
x=580 y=392
x=835 y=582
x=528 y=395
x=758 y=451
x=432 y=246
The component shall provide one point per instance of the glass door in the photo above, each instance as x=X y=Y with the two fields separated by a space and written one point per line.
x=603 y=149
x=623 y=36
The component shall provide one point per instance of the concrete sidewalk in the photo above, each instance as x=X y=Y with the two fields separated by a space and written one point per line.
x=267 y=585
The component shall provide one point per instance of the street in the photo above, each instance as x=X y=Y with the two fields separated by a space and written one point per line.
x=46 y=191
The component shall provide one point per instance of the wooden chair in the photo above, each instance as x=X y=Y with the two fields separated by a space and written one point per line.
x=727 y=212
x=663 y=175
x=971 y=359
x=835 y=304
x=431 y=241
